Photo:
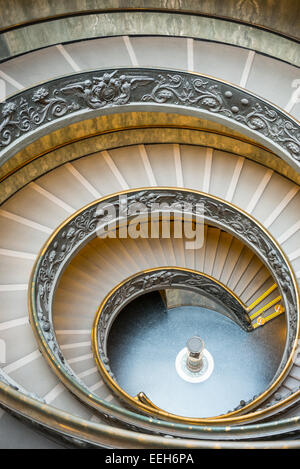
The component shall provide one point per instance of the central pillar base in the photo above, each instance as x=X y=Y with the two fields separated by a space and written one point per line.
x=194 y=376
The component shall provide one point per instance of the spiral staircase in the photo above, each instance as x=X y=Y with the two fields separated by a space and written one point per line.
x=148 y=102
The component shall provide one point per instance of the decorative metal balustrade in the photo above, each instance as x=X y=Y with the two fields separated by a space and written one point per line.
x=79 y=229
x=38 y=110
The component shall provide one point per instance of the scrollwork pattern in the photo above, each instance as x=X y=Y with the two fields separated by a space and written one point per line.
x=82 y=227
x=36 y=107
x=160 y=279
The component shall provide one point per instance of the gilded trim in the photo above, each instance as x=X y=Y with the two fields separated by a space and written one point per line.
x=153 y=280
x=55 y=358
x=135 y=127
x=32 y=112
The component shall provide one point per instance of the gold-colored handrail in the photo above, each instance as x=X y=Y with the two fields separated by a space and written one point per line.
x=233 y=417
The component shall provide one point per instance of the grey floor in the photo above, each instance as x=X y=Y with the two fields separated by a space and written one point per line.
x=145 y=340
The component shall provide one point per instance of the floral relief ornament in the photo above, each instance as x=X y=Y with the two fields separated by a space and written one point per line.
x=33 y=108
x=78 y=229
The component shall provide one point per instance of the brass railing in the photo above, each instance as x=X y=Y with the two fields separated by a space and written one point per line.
x=82 y=226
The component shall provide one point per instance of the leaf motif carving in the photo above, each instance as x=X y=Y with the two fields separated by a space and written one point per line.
x=36 y=107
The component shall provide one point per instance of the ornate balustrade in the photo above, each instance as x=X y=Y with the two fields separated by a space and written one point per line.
x=80 y=228
x=36 y=111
